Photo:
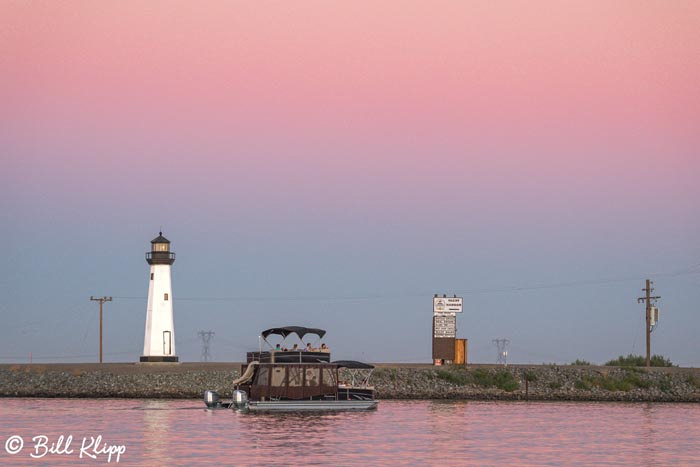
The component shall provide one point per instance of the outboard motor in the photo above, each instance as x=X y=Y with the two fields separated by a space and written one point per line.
x=240 y=400
x=211 y=399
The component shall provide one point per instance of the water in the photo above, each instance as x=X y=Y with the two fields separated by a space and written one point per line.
x=430 y=433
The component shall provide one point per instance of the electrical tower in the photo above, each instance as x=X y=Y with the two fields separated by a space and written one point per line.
x=649 y=300
x=206 y=337
x=101 y=300
x=501 y=345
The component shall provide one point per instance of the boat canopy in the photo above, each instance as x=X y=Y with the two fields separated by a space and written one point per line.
x=353 y=365
x=298 y=330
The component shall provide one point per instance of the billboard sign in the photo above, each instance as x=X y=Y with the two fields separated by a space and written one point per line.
x=444 y=325
x=447 y=305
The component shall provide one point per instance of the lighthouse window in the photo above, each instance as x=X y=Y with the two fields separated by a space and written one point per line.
x=151 y=276
x=165 y=297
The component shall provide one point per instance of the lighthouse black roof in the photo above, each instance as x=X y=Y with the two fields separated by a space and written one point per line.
x=160 y=239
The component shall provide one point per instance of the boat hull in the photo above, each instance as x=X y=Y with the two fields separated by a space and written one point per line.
x=310 y=406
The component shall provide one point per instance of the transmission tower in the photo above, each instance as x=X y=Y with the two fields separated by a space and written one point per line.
x=501 y=345
x=206 y=337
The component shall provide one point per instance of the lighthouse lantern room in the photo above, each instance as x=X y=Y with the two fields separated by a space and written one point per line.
x=159 y=339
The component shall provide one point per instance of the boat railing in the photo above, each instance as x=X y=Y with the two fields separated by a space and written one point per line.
x=289 y=356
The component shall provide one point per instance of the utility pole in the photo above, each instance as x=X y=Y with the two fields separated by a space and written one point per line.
x=206 y=337
x=101 y=300
x=648 y=299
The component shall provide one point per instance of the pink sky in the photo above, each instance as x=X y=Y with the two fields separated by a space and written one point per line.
x=558 y=138
x=480 y=107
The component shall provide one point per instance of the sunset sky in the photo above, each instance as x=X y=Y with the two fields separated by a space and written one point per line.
x=334 y=164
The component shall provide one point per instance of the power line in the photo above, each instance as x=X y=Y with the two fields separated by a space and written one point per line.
x=691 y=270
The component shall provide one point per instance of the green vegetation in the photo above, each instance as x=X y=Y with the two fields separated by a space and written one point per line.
x=506 y=381
x=530 y=376
x=502 y=379
x=638 y=360
x=555 y=385
x=693 y=381
x=582 y=384
x=629 y=381
x=458 y=378
x=665 y=384
x=580 y=362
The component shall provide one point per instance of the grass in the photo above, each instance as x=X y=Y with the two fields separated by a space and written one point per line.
x=638 y=360
x=582 y=384
x=665 y=384
x=458 y=378
x=693 y=381
x=580 y=362
x=501 y=379
x=629 y=381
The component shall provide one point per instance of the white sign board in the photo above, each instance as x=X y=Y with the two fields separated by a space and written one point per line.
x=447 y=305
x=445 y=325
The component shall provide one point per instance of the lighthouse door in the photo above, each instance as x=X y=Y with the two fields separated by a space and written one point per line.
x=167 y=344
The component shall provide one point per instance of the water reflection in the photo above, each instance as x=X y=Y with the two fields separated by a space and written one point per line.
x=433 y=433
x=157 y=421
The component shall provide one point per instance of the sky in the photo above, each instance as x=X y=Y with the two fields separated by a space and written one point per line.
x=335 y=164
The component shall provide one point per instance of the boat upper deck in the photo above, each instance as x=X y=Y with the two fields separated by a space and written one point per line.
x=288 y=356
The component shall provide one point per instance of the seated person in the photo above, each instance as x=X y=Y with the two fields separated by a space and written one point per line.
x=309 y=348
x=278 y=348
x=324 y=348
x=295 y=348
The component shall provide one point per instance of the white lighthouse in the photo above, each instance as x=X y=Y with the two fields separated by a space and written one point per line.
x=159 y=340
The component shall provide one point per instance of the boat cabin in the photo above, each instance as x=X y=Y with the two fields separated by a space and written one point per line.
x=279 y=374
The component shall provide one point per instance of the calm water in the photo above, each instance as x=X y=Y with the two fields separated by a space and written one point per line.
x=399 y=433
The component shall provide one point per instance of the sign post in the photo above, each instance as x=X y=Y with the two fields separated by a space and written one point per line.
x=445 y=311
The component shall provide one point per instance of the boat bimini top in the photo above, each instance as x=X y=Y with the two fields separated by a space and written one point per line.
x=298 y=330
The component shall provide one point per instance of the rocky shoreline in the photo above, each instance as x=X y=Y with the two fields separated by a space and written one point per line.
x=477 y=382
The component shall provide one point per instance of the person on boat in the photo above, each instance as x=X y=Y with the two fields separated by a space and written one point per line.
x=324 y=348
x=309 y=348
x=278 y=347
x=295 y=348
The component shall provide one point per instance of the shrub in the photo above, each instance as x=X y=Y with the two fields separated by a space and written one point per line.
x=482 y=377
x=580 y=362
x=634 y=380
x=503 y=379
x=665 y=384
x=638 y=360
x=459 y=379
x=555 y=385
x=530 y=376
x=506 y=381
x=693 y=381
x=582 y=384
